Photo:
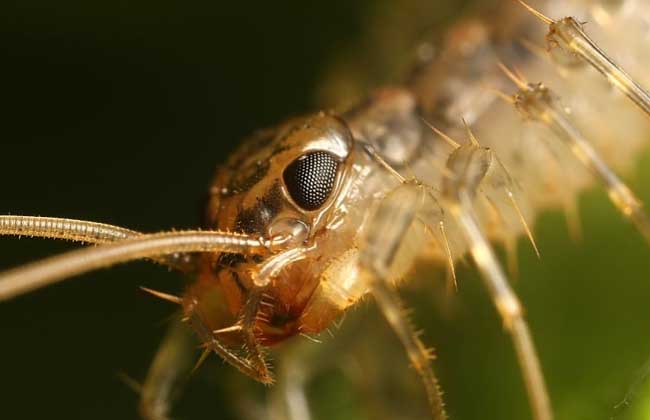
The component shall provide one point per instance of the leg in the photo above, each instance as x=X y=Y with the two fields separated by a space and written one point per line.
x=288 y=398
x=477 y=171
x=168 y=372
x=351 y=352
x=511 y=312
x=389 y=244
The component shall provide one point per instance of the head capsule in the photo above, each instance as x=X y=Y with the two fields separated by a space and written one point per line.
x=283 y=179
x=285 y=185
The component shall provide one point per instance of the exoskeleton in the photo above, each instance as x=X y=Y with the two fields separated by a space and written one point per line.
x=309 y=217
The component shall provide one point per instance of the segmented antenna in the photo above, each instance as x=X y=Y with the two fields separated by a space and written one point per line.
x=54 y=269
x=79 y=231
x=67 y=229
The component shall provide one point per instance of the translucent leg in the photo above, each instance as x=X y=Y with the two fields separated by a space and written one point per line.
x=539 y=103
x=390 y=232
x=419 y=355
x=288 y=399
x=373 y=379
x=478 y=171
x=568 y=34
x=168 y=373
x=509 y=308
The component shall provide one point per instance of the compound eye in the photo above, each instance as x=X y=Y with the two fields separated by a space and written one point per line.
x=310 y=179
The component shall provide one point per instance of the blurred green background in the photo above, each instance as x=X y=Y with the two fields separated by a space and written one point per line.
x=119 y=112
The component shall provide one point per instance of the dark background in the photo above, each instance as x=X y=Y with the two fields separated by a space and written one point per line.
x=119 y=112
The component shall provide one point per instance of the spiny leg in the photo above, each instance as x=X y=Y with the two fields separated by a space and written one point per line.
x=538 y=103
x=211 y=341
x=419 y=355
x=380 y=259
x=254 y=365
x=301 y=366
x=476 y=171
x=120 y=245
x=251 y=314
x=168 y=372
x=568 y=35
x=254 y=311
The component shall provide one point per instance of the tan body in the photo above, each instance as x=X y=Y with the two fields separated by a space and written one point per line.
x=307 y=218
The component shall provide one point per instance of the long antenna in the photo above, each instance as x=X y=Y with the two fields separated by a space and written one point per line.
x=55 y=269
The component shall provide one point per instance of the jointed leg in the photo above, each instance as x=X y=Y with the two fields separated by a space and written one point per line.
x=477 y=171
x=419 y=355
x=382 y=260
x=168 y=372
x=510 y=311
x=296 y=368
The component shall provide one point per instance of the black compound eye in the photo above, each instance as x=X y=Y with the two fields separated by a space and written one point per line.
x=310 y=179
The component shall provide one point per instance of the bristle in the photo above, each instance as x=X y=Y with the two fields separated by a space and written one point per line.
x=164 y=296
x=430 y=353
x=233 y=328
x=379 y=159
x=130 y=382
x=450 y=258
x=539 y=15
x=310 y=338
x=472 y=138
x=418 y=354
x=529 y=233
x=520 y=83
x=453 y=143
x=569 y=35
x=520 y=75
x=500 y=94
x=539 y=51
x=540 y=104
x=204 y=355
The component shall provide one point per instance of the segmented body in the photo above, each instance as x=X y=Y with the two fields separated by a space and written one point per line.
x=470 y=187
x=448 y=90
